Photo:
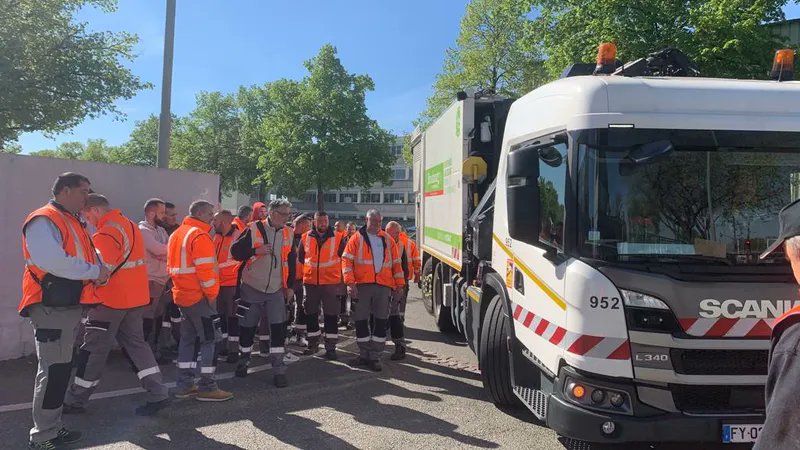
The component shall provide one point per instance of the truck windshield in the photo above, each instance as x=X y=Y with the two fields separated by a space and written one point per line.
x=697 y=197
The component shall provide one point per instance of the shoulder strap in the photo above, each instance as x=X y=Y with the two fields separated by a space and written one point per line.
x=128 y=255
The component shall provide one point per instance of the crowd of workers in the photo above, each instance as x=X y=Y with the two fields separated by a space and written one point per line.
x=208 y=287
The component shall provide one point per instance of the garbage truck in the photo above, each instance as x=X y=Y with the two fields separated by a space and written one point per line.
x=596 y=241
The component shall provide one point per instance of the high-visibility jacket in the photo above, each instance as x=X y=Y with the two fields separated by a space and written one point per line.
x=192 y=264
x=228 y=267
x=413 y=259
x=357 y=263
x=76 y=243
x=257 y=240
x=785 y=319
x=322 y=264
x=239 y=224
x=117 y=237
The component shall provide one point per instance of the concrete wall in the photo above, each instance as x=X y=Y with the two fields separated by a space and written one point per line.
x=26 y=183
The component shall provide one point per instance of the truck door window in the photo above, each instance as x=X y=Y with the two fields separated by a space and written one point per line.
x=552 y=193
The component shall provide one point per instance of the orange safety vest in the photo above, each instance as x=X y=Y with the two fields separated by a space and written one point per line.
x=257 y=240
x=357 y=263
x=790 y=313
x=75 y=242
x=322 y=265
x=192 y=264
x=115 y=238
x=228 y=267
x=414 y=261
x=239 y=224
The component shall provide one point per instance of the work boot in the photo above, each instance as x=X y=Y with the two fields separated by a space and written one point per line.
x=233 y=358
x=66 y=437
x=375 y=366
x=331 y=355
x=241 y=368
x=185 y=392
x=151 y=408
x=280 y=380
x=73 y=409
x=45 y=445
x=311 y=350
x=399 y=353
x=217 y=395
x=357 y=362
x=290 y=357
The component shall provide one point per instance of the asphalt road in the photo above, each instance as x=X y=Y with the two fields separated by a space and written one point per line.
x=433 y=399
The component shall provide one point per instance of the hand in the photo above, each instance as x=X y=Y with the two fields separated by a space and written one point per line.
x=398 y=292
x=264 y=250
x=352 y=291
x=288 y=294
x=105 y=274
x=416 y=277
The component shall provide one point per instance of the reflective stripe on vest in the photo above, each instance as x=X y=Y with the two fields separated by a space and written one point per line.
x=184 y=267
x=127 y=249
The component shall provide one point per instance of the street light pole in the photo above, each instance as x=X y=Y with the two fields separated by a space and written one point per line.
x=165 y=119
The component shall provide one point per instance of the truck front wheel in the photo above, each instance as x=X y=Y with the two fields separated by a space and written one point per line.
x=427 y=285
x=495 y=356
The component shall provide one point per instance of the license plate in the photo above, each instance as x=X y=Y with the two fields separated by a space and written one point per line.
x=736 y=433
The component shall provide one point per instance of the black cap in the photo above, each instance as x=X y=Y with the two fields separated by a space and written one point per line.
x=788 y=224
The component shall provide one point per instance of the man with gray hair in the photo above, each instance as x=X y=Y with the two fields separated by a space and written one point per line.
x=267 y=250
x=782 y=397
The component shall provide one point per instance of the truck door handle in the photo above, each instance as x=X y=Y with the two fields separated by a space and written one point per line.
x=519 y=281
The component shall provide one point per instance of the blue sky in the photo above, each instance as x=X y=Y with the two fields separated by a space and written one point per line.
x=220 y=45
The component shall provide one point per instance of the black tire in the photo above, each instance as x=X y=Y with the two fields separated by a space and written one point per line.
x=441 y=313
x=494 y=355
x=427 y=285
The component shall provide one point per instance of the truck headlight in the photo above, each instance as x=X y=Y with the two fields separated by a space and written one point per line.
x=647 y=313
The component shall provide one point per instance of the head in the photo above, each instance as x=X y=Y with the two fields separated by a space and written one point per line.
x=170 y=214
x=96 y=207
x=278 y=212
x=244 y=213
x=374 y=220
x=223 y=222
x=351 y=228
x=259 y=212
x=393 y=229
x=154 y=210
x=322 y=222
x=302 y=223
x=338 y=226
x=71 y=190
x=202 y=211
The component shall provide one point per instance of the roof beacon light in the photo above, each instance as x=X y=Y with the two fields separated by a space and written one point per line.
x=606 y=58
x=783 y=65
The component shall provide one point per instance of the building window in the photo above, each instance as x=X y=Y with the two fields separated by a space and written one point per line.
x=399 y=173
x=330 y=197
x=370 y=197
x=410 y=173
x=349 y=197
x=397 y=150
x=311 y=197
x=394 y=198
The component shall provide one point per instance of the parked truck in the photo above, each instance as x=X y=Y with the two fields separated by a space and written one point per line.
x=596 y=241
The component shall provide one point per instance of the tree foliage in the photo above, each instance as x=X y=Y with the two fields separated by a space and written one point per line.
x=317 y=133
x=93 y=150
x=54 y=72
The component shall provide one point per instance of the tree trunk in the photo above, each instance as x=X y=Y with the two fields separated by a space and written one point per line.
x=320 y=198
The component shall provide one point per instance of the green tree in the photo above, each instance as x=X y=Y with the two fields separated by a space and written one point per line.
x=318 y=135
x=93 y=150
x=142 y=146
x=209 y=141
x=54 y=72
x=726 y=38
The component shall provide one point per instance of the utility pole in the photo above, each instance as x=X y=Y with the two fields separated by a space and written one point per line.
x=165 y=119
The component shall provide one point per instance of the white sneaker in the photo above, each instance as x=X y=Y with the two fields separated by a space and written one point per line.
x=290 y=357
x=302 y=342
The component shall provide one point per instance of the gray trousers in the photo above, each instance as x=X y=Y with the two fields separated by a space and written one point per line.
x=373 y=299
x=103 y=327
x=54 y=330
x=325 y=296
x=252 y=306
x=397 y=312
x=201 y=327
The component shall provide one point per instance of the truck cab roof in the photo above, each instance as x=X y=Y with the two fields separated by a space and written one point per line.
x=586 y=102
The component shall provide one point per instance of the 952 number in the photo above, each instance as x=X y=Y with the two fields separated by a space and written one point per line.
x=604 y=302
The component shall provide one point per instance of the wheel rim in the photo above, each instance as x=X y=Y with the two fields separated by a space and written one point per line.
x=436 y=287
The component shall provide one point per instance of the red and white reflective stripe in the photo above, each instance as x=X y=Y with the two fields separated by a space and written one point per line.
x=575 y=343
x=724 y=327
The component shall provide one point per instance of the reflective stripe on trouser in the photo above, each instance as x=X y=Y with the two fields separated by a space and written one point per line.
x=372 y=299
x=54 y=330
x=201 y=324
x=106 y=325
x=397 y=311
x=325 y=296
x=275 y=307
x=226 y=307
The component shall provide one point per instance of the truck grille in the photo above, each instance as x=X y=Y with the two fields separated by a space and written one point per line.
x=719 y=362
x=718 y=399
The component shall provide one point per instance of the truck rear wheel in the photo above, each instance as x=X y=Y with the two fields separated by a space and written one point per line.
x=427 y=285
x=495 y=356
x=441 y=313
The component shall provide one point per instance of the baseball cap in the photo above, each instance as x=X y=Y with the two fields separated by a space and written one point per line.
x=788 y=225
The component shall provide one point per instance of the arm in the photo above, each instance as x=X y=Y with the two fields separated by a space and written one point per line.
x=205 y=263
x=242 y=248
x=47 y=253
x=151 y=244
x=347 y=262
x=397 y=267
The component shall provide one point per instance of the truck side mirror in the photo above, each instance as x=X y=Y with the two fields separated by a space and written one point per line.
x=522 y=194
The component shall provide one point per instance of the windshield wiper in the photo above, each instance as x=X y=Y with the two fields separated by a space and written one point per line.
x=677 y=258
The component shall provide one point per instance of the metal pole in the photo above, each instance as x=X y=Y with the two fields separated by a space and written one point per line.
x=165 y=119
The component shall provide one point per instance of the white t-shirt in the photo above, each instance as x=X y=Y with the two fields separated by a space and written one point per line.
x=377 y=251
